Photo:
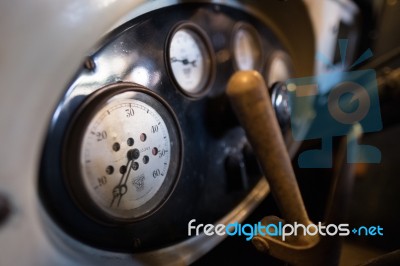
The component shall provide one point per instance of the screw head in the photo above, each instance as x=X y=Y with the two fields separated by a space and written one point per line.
x=90 y=64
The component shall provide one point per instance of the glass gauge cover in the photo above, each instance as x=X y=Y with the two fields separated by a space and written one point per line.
x=190 y=59
x=279 y=68
x=247 y=47
x=125 y=154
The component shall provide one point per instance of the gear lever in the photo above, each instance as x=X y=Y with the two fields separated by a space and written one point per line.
x=251 y=103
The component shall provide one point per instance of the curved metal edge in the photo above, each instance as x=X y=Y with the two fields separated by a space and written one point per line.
x=190 y=250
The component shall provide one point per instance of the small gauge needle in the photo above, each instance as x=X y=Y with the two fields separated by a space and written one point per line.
x=121 y=189
x=184 y=61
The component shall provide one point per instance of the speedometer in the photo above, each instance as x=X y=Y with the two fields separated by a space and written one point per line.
x=125 y=154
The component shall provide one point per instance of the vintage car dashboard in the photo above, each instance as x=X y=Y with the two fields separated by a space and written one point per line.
x=156 y=87
x=142 y=138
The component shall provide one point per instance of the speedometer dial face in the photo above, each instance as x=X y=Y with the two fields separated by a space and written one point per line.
x=128 y=155
x=247 y=48
x=190 y=59
x=126 y=145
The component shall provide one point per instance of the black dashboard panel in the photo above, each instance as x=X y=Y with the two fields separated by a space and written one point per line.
x=209 y=185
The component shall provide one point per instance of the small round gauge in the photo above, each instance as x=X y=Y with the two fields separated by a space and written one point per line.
x=123 y=153
x=247 y=47
x=190 y=59
x=279 y=68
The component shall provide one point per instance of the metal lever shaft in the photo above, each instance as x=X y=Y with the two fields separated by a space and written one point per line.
x=252 y=105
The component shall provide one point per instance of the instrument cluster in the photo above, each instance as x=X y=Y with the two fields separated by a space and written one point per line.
x=144 y=138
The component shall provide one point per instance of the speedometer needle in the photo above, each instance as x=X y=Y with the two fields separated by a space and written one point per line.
x=121 y=189
x=184 y=61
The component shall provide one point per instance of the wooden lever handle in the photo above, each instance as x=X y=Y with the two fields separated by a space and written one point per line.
x=251 y=102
